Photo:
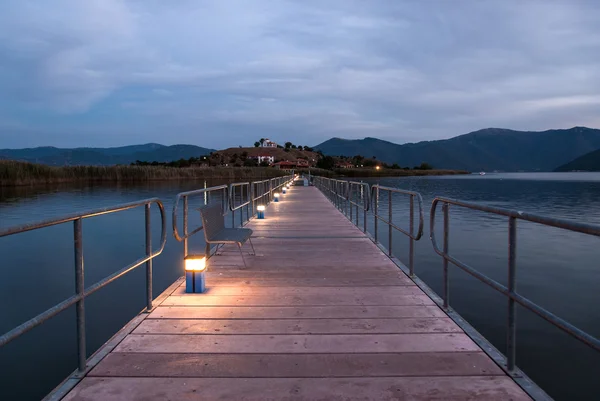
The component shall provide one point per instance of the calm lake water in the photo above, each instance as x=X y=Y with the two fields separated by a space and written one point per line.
x=555 y=268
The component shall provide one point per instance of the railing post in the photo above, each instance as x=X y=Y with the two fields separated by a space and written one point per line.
x=411 y=241
x=446 y=292
x=348 y=205
x=230 y=203
x=79 y=290
x=349 y=200
x=390 y=216
x=149 y=261
x=185 y=226
x=251 y=204
x=241 y=208
x=512 y=327
x=365 y=196
x=356 y=201
x=375 y=216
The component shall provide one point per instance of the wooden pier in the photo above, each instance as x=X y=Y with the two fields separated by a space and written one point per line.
x=321 y=313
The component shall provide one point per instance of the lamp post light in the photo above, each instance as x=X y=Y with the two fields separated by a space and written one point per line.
x=276 y=197
x=195 y=280
x=260 y=212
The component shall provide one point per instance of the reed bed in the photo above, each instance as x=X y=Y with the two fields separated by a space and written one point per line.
x=16 y=173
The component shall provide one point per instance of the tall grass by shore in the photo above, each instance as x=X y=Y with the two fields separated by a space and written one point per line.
x=15 y=173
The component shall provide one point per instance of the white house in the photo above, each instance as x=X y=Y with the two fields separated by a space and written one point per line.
x=264 y=158
x=267 y=143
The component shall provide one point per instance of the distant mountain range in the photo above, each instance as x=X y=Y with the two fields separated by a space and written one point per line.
x=484 y=150
x=104 y=156
x=588 y=162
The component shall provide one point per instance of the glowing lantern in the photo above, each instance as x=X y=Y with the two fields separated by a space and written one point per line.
x=260 y=211
x=195 y=280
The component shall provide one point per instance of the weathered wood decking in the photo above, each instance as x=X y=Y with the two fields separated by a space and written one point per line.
x=320 y=314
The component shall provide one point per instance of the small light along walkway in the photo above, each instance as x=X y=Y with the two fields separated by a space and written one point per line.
x=321 y=313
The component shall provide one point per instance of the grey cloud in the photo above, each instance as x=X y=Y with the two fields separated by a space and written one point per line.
x=217 y=73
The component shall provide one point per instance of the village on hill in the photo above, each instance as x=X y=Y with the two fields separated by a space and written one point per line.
x=267 y=153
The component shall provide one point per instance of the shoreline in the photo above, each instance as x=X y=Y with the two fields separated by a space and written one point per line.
x=20 y=174
x=384 y=173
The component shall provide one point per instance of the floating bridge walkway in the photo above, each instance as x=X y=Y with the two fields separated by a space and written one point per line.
x=320 y=313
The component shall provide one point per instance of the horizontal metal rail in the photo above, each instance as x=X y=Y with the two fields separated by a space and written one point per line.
x=509 y=291
x=412 y=237
x=80 y=291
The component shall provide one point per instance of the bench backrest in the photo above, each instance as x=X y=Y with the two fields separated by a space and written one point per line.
x=212 y=220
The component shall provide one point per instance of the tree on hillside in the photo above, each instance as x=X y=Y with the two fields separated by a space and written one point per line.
x=288 y=145
x=308 y=149
x=262 y=140
x=326 y=163
x=257 y=144
x=294 y=146
x=423 y=166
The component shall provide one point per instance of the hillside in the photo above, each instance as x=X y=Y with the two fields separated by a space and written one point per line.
x=277 y=153
x=488 y=149
x=104 y=156
x=588 y=162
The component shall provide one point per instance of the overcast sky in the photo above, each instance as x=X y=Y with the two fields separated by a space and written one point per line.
x=225 y=73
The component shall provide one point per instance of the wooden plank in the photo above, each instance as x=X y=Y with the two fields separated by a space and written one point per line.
x=291 y=344
x=312 y=292
x=296 y=312
x=220 y=281
x=298 y=326
x=297 y=365
x=453 y=388
x=391 y=275
x=322 y=298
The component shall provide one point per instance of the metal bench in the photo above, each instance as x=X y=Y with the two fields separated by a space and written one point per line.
x=215 y=232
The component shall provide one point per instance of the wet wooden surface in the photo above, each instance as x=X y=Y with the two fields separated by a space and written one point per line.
x=319 y=314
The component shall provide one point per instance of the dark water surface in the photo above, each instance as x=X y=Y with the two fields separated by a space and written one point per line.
x=555 y=268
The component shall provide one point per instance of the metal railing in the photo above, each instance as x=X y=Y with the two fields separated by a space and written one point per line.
x=412 y=237
x=358 y=195
x=248 y=198
x=81 y=292
x=207 y=195
x=510 y=290
x=335 y=190
x=352 y=196
x=261 y=194
x=234 y=205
